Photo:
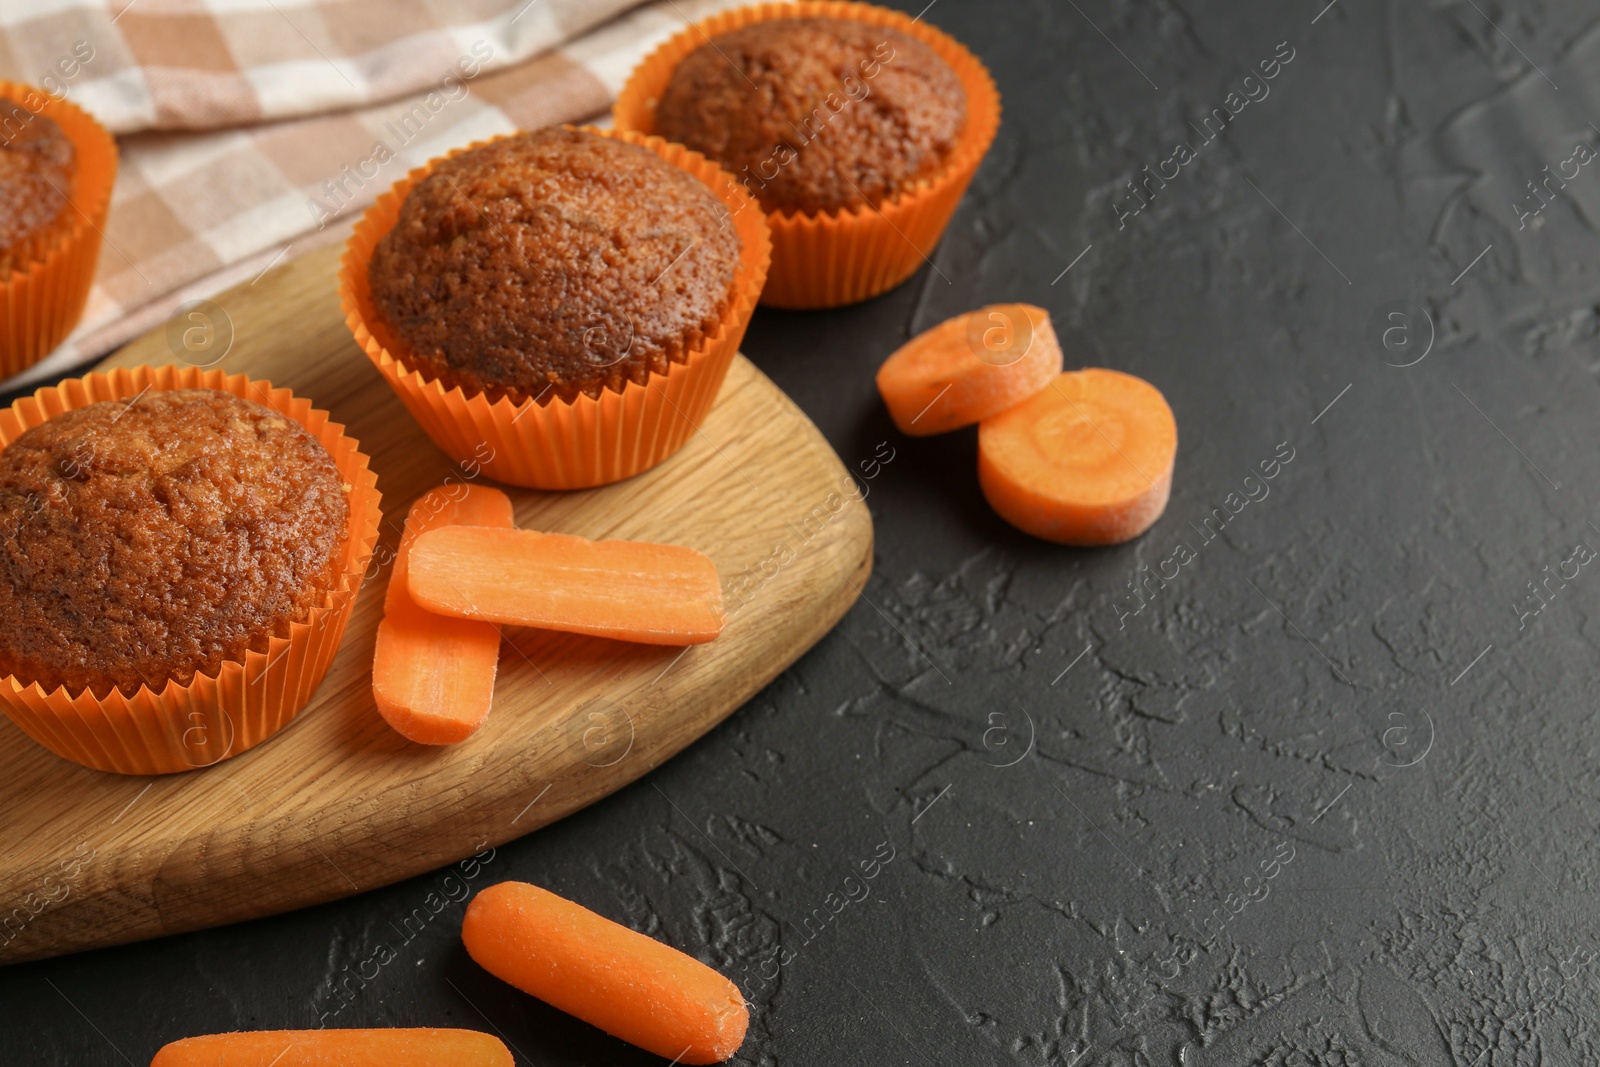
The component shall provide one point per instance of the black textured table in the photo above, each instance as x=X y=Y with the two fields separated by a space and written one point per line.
x=1305 y=776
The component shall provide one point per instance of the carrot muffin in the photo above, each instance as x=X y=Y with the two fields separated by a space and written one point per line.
x=816 y=114
x=36 y=168
x=553 y=264
x=151 y=540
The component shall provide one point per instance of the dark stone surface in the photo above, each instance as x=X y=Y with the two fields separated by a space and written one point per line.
x=1328 y=799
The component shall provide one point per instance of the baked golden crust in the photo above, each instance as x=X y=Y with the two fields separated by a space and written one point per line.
x=553 y=264
x=36 y=168
x=149 y=541
x=816 y=114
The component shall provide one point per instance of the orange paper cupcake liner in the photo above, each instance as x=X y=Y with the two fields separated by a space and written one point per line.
x=588 y=441
x=841 y=257
x=42 y=300
x=181 y=727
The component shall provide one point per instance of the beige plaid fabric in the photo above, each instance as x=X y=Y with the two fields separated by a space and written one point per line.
x=251 y=130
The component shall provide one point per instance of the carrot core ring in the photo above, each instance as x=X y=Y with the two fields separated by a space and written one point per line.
x=1086 y=461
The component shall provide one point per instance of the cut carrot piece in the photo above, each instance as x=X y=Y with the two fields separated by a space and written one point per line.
x=629 y=590
x=1088 y=461
x=629 y=985
x=432 y=676
x=970 y=367
x=337 y=1048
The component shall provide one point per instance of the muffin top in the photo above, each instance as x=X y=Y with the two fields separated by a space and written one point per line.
x=35 y=174
x=552 y=264
x=153 y=539
x=816 y=114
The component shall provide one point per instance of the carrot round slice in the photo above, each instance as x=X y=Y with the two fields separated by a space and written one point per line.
x=629 y=985
x=433 y=676
x=970 y=367
x=628 y=590
x=337 y=1048
x=1087 y=461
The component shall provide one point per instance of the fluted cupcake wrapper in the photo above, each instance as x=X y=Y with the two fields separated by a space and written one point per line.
x=834 y=258
x=182 y=727
x=587 y=441
x=43 y=299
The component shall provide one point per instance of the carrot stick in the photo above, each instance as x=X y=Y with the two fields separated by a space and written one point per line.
x=337 y=1048
x=970 y=367
x=1088 y=461
x=432 y=676
x=629 y=985
x=629 y=590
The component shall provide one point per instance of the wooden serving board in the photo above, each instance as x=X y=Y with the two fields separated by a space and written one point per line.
x=338 y=803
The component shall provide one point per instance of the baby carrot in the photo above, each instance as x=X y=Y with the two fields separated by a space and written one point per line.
x=970 y=367
x=337 y=1048
x=629 y=985
x=1087 y=461
x=628 y=590
x=433 y=676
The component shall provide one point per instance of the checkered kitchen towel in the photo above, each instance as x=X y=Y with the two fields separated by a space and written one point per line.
x=254 y=129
